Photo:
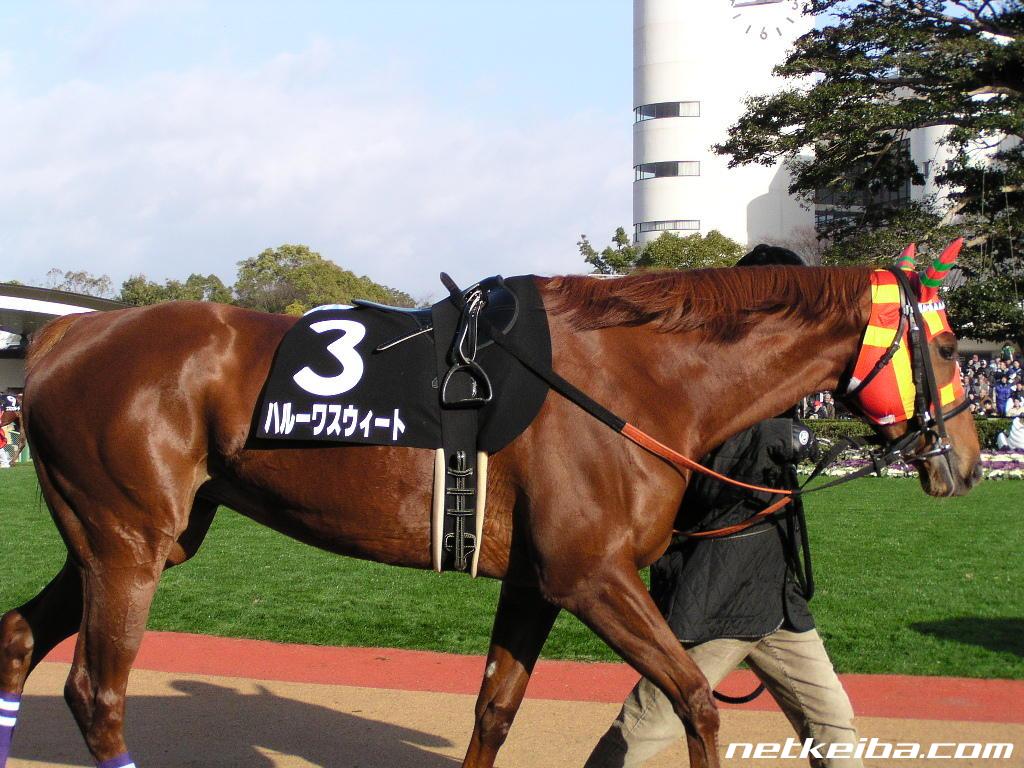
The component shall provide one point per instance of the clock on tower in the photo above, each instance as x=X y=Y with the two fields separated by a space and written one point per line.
x=764 y=19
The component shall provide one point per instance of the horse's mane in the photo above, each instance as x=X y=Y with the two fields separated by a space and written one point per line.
x=723 y=303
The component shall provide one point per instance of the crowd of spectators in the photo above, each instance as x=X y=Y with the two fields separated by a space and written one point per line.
x=821 y=406
x=994 y=386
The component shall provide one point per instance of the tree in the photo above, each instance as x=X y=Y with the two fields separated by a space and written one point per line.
x=862 y=84
x=139 y=291
x=292 y=279
x=82 y=282
x=616 y=259
x=696 y=251
x=988 y=309
x=894 y=230
x=882 y=69
x=669 y=251
x=806 y=243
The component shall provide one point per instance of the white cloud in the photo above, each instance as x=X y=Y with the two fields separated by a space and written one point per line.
x=193 y=171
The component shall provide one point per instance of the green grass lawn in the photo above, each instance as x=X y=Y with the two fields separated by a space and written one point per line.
x=906 y=583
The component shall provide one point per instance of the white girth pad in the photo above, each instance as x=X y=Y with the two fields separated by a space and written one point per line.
x=437 y=510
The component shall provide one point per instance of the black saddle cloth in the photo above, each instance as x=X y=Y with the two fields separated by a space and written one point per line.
x=338 y=377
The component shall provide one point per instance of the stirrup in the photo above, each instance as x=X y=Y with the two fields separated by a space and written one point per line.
x=481 y=383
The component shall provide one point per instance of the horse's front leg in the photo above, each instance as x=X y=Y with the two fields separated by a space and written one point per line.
x=614 y=602
x=521 y=625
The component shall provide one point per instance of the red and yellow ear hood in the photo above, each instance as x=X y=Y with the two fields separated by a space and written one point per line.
x=889 y=397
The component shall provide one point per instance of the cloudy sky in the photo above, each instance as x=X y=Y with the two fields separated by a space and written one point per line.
x=397 y=138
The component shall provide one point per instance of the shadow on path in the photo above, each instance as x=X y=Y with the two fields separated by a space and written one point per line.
x=217 y=726
x=1000 y=635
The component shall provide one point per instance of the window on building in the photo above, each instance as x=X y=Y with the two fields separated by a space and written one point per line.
x=672 y=168
x=686 y=225
x=832 y=205
x=667 y=109
x=826 y=216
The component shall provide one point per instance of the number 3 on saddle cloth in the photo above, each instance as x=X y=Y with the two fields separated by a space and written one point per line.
x=375 y=375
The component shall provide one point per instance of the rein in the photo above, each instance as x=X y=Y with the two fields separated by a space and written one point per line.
x=926 y=396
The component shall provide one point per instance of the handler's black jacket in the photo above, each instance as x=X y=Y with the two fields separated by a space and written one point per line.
x=742 y=586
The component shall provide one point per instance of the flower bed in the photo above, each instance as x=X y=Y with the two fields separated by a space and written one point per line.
x=996 y=465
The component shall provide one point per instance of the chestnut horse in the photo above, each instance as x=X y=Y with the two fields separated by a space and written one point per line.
x=574 y=510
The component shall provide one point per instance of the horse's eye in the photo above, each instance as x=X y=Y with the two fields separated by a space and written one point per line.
x=947 y=352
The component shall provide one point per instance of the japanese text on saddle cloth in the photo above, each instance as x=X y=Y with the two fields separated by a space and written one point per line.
x=374 y=375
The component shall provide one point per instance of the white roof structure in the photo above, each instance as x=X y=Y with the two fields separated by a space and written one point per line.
x=23 y=311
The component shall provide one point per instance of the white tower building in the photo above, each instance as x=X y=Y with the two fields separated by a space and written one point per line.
x=694 y=61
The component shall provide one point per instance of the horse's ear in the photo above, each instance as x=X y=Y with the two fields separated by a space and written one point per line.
x=906 y=261
x=938 y=270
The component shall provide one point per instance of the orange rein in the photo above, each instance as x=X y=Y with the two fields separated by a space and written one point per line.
x=658 y=448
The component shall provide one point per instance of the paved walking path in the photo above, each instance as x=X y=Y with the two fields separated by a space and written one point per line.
x=206 y=701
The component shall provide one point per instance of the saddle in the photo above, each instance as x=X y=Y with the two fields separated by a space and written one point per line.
x=500 y=309
x=460 y=469
x=429 y=377
x=465 y=383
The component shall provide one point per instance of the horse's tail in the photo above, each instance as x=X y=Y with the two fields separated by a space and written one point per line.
x=46 y=339
x=42 y=343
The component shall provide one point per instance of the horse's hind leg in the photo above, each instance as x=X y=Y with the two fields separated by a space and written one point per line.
x=521 y=625
x=27 y=634
x=32 y=630
x=613 y=601
x=119 y=588
x=117 y=551
x=119 y=585
x=192 y=537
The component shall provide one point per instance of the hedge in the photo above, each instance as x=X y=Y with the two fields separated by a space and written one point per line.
x=989 y=428
x=831 y=429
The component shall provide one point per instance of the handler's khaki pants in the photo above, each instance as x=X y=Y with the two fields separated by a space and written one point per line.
x=793 y=666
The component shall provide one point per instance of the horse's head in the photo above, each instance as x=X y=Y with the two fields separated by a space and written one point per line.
x=906 y=380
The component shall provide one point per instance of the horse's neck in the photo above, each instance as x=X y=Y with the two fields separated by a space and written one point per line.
x=770 y=370
x=692 y=392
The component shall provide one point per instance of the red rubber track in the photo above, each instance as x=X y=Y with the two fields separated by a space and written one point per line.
x=890 y=696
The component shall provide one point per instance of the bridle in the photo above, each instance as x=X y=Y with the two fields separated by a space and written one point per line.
x=928 y=424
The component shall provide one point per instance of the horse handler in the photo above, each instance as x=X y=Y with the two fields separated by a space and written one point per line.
x=740 y=598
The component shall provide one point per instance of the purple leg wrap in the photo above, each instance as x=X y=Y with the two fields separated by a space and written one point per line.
x=121 y=761
x=10 y=703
